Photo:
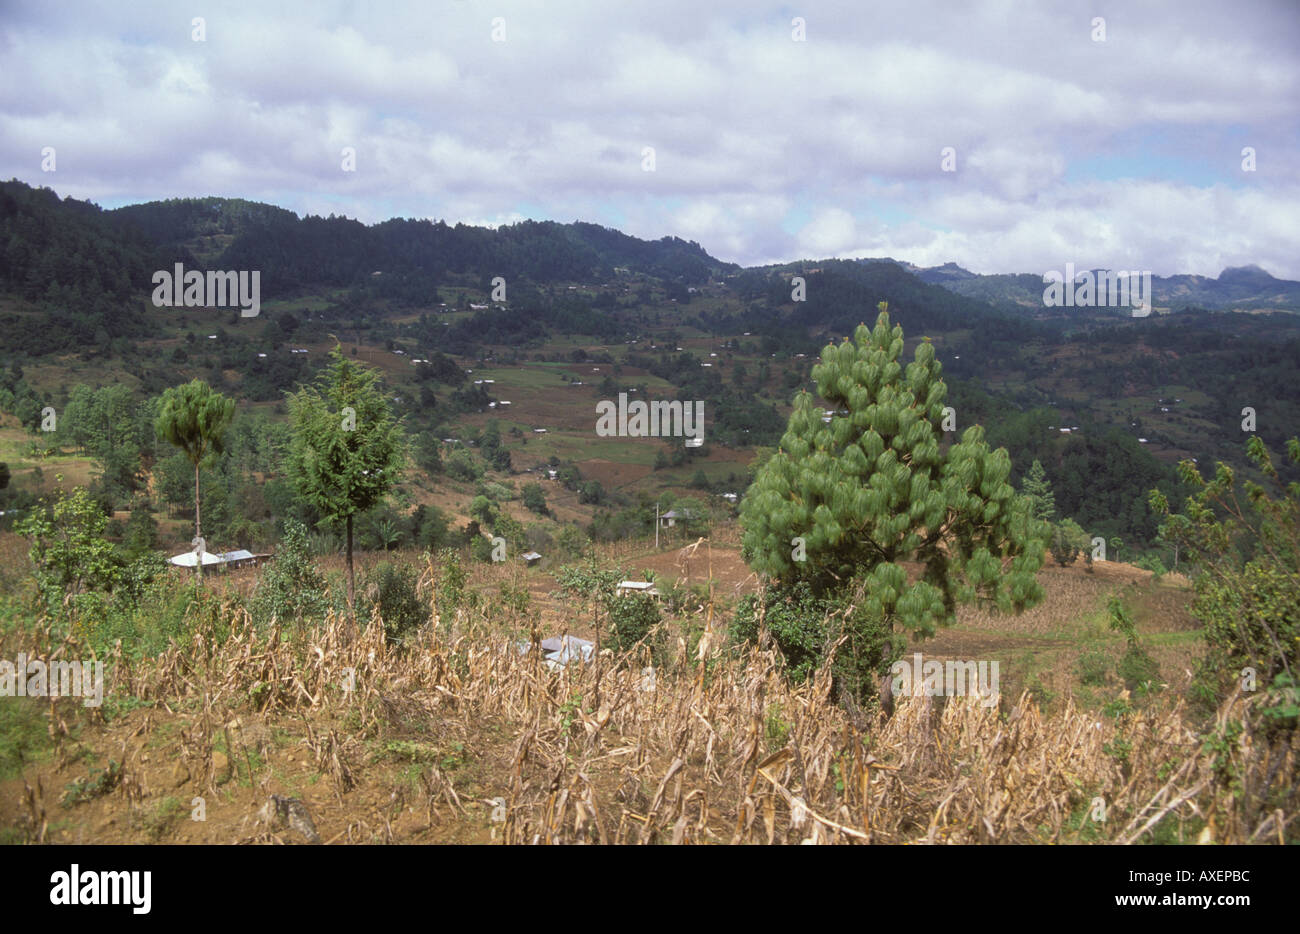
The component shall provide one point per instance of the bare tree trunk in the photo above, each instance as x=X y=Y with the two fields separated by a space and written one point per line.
x=198 y=528
x=352 y=585
x=886 y=692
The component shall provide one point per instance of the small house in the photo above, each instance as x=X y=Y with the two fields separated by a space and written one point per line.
x=531 y=558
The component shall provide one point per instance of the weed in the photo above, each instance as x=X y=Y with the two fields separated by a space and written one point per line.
x=23 y=734
x=98 y=782
x=1093 y=667
x=776 y=729
x=156 y=819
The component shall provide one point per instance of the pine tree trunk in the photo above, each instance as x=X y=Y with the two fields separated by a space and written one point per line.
x=352 y=585
x=198 y=527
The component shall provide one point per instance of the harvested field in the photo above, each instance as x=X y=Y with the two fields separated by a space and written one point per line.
x=460 y=738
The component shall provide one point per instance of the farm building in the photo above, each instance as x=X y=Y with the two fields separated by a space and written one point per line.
x=240 y=558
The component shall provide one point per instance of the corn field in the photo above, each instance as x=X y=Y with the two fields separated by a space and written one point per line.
x=717 y=747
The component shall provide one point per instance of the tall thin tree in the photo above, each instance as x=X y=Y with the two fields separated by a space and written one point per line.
x=348 y=449
x=194 y=418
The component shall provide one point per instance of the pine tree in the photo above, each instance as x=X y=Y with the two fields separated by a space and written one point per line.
x=844 y=502
x=194 y=418
x=1038 y=489
x=348 y=450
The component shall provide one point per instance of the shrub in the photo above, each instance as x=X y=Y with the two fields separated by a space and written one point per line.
x=451 y=584
x=631 y=619
x=461 y=466
x=535 y=499
x=1138 y=669
x=68 y=549
x=392 y=589
x=429 y=527
x=1152 y=563
x=806 y=627
x=291 y=589
x=147 y=623
x=1246 y=555
x=1093 y=667
x=572 y=540
x=1068 y=539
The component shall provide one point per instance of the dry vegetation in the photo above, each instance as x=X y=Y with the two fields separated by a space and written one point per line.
x=460 y=738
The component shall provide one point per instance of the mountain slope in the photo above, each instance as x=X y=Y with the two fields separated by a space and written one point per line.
x=1237 y=288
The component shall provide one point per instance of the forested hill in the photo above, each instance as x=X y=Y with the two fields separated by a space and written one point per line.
x=837 y=294
x=76 y=263
x=87 y=254
x=415 y=256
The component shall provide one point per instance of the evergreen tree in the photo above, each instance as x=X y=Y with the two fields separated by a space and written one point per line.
x=842 y=504
x=347 y=449
x=1036 y=486
x=194 y=418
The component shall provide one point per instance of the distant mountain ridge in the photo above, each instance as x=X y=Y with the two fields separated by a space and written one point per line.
x=298 y=251
x=1237 y=288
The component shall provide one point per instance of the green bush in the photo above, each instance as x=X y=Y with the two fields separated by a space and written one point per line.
x=450 y=594
x=572 y=541
x=805 y=627
x=1151 y=562
x=1067 y=540
x=631 y=619
x=1138 y=669
x=1093 y=667
x=24 y=737
x=291 y=589
x=535 y=498
x=392 y=588
x=461 y=466
x=146 y=624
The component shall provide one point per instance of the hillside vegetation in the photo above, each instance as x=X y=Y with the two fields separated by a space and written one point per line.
x=407 y=429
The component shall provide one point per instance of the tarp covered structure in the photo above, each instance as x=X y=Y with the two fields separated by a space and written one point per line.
x=188 y=559
x=558 y=651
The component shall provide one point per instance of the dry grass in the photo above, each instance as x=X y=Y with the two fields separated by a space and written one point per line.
x=724 y=751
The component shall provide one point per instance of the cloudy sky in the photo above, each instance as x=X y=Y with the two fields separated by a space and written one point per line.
x=1122 y=150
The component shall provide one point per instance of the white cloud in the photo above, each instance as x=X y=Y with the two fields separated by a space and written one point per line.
x=838 y=137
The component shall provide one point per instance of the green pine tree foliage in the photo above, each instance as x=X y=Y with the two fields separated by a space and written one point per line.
x=876 y=487
x=194 y=418
x=1036 y=486
x=348 y=450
